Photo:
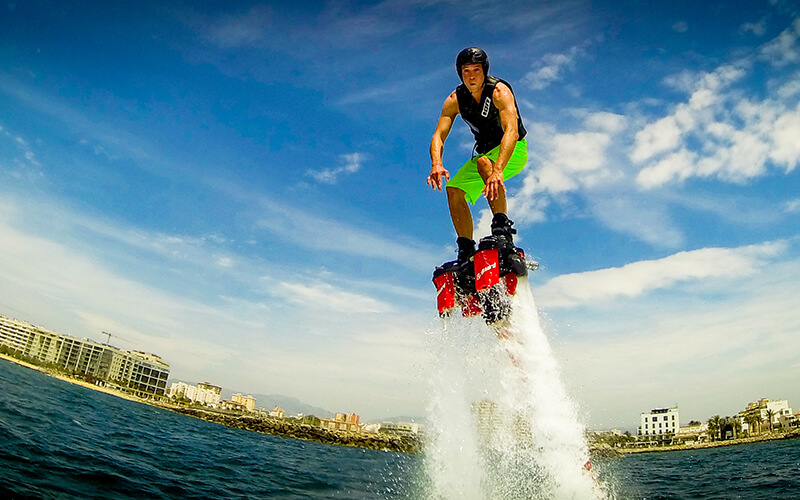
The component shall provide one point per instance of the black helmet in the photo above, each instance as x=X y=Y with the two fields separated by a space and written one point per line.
x=472 y=55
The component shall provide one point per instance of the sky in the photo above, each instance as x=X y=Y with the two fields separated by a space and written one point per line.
x=240 y=189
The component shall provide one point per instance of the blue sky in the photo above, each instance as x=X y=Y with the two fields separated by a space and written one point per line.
x=240 y=189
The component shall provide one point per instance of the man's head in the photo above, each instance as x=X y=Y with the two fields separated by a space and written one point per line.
x=472 y=60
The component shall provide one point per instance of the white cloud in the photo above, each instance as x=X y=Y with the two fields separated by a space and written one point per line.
x=792 y=206
x=603 y=121
x=238 y=30
x=225 y=262
x=319 y=231
x=783 y=50
x=680 y=27
x=679 y=165
x=550 y=68
x=644 y=218
x=635 y=279
x=718 y=133
x=52 y=281
x=658 y=137
x=745 y=340
x=351 y=164
x=576 y=160
x=324 y=295
x=758 y=28
x=786 y=139
x=790 y=88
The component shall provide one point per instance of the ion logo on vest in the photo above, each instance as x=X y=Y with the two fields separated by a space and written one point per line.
x=486 y=103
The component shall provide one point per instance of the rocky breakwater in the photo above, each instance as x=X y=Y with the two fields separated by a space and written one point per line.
x=287 y=428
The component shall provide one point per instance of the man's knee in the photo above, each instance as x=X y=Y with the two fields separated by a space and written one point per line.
x=485 y=166
x=454 y=193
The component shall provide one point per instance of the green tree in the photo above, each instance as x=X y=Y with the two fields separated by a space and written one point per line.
x=770 y=414
x=714 y=427
x=753 y=422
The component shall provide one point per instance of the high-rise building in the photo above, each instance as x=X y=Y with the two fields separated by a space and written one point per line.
x=141 y=373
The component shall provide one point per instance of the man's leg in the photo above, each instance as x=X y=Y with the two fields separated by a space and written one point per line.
x=460 y=212
x=462 y=221
x=485 y=166
x=501 y=224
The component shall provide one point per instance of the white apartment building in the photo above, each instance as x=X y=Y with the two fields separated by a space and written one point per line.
x=659 y=422
x=204 y=392
x=182 y=390
x=143 y=373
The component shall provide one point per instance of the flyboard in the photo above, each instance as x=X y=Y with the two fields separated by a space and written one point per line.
x=485 y=283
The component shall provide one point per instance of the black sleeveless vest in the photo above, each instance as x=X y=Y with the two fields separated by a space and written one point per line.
x=484 y=118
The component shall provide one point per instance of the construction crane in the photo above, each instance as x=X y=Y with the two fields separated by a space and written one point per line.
x=109 y=335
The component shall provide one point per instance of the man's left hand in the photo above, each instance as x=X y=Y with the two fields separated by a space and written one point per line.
x=494 y=186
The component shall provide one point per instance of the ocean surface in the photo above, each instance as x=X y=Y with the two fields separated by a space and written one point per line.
x=59 y=440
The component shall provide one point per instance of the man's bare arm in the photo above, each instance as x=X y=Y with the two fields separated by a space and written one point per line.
x=504 y=101
x=445 y=123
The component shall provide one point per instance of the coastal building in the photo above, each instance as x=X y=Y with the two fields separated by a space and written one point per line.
x=341 y=422
x=180 y=390
x=789 y=421
x=232 y=405
x=208 y=394
x=203 y=393
x=691 y=434
x=659 y=423
x=248 y=402
x=277 y=413
x=400 y=428
x=140 y=373
x=765 y=413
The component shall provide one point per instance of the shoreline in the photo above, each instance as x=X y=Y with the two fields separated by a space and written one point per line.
x=383 y=442
x=271 y=426
x=767 y=436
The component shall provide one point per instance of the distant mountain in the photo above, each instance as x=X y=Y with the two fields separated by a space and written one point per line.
x=290 y=405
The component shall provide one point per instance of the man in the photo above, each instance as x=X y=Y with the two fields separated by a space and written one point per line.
x=488 y=106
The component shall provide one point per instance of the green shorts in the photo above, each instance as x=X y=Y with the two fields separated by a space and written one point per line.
x=469 y=180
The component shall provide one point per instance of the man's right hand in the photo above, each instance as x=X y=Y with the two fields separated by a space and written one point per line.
x=438 y=173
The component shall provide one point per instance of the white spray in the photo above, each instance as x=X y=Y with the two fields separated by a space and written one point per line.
x=502 y=425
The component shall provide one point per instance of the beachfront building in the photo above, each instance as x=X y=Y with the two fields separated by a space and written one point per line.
x=208 y=394
x=141 y=373
x=659 y=423
x=248 y=402
x=182 y=390
x=763 y=414
x=341 y=422
x=692 y=433
x=400 y=428
x=203 y=393
x=278 y=412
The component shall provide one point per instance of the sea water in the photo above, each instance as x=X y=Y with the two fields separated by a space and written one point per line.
x=59 y=440
x=62 y=441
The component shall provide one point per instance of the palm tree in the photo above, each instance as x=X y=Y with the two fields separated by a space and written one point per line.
x=752 y=421
x=714 y=426
x=770 y=414
x=736 y=425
